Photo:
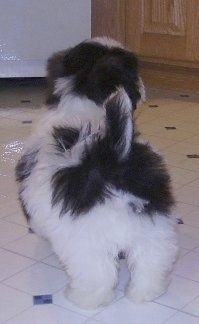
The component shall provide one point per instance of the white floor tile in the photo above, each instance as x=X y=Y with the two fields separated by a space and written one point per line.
x=7 y=184
x=192 y=218
x=182 y=252
x=12 y=302
x=92 y=321
x=189 y=195
x=188 y=267
x=180 y=292
x=180 y=318
x=159 y=142
x=188 y=237
x=10 y=232
x=16 y=217
x=182 y=209
x=193 y=307
x=193 y=140
x=172 y=158
x=47 y=314
x=9 y=205
x=31 y=246
x=9 y=137
x=181 y=176
x=183 y=148
x=125 y=312
x=53 y=261
x=38 y=279
x=12 y=263
x=195 y=183
x=191 y=164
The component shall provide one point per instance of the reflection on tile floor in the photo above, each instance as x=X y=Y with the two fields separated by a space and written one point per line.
x=27 y=265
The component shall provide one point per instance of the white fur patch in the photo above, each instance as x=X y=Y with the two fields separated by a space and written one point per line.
x=106 y=41
x=126 y=108
x=63 y=86
x=141 y=91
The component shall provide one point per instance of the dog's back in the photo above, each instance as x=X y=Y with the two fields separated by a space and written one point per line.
x=85 y=165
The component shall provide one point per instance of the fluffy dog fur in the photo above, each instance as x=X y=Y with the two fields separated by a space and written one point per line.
x=89 y=186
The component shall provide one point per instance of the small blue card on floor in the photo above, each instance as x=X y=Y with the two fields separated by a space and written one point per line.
x=42 y=299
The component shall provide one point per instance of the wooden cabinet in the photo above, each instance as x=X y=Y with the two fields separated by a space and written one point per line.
x=163 y=33
x=165 y=30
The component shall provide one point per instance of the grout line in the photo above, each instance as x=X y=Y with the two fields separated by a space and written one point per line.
x=14 y=288
x=16 y=273
x=25 y=256
x=16 y=315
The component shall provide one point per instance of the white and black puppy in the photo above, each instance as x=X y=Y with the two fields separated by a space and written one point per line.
x=90 y=187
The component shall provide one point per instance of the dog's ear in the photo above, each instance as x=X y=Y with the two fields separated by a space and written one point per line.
x=119 y=123
x=55 y=70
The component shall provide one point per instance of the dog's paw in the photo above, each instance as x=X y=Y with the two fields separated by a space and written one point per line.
x=89 y=301
x=142 y=295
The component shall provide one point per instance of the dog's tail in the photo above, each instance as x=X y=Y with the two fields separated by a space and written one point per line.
x=119 y=123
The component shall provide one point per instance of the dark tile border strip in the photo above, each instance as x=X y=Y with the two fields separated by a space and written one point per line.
x=42 y=299
x=27 y=122
x=193 y=156
x=184 y=95
x=25 y=101
x=153 y=106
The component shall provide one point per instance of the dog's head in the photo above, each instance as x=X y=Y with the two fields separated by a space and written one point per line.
x=94 y=68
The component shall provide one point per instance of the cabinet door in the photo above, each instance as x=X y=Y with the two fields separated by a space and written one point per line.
x=108 y=18
x=163 y=29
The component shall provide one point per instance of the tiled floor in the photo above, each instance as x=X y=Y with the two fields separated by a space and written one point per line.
x=27 y=265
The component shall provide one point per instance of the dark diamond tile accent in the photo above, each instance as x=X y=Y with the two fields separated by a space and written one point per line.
x=193 y=156
x=153 y=106
x=170 y=127
x=25 y=101
x=42 y=299
x=184 y=95
x=179 y=221
x=27 y=122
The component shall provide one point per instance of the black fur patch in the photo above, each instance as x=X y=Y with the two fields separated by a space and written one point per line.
x=97 y=71
x=25 y=165
x=23 y=207
x=145 y=175
x=65 y=137
x=54 y=71
x=142 y=174
x=22 y=171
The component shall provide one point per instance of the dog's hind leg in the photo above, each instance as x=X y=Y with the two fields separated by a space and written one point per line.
x=92 y=279
x=151 y=259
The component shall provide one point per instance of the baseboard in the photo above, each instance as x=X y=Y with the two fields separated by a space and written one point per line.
x=22 y=68
x=170 y=77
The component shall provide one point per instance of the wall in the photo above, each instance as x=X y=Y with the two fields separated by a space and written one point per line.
x=31 y=30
